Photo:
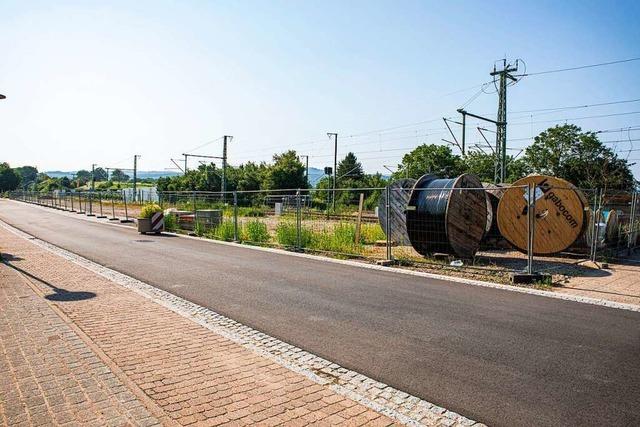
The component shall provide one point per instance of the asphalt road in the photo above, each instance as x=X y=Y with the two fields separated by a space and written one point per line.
x=500 y=357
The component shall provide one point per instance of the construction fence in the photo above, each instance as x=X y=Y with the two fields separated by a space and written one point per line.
x=444 y=226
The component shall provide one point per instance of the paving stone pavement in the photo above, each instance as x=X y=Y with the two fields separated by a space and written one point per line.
x=48 y=375
x=619 y=283
x=129 y=358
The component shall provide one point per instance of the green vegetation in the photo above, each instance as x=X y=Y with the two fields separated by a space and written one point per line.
x=256 y=232
x=171 y=222
x=149 y=209
x=371 y=233
x=564 y=151
x=287 y=234
x=224 y=231
x=9 y=179
x=339 y=238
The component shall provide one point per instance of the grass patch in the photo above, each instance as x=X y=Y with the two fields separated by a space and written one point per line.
x=287 y=234
x=224 y=231
x=340 y=239
x=255 y=231
x=171 y=222
x=370 y=233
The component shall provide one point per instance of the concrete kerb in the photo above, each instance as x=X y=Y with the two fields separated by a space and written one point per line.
x=397 y=270
x=386 y=400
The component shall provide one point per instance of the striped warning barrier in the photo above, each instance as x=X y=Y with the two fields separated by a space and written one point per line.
x=157 y=222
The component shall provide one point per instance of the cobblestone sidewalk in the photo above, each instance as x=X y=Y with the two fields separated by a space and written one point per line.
x=48 y=374
x=77 y=348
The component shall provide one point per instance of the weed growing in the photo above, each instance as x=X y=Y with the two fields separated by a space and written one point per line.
x=256 y=232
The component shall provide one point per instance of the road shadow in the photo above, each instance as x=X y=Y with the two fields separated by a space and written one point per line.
x=60 y=294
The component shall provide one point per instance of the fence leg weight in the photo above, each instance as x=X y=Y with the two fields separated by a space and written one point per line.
x=529 y=278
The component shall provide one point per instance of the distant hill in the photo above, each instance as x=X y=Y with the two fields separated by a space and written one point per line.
x=141 y=174
x=315 y=175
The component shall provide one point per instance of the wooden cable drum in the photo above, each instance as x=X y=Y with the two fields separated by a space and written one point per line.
x=399 y=192
x=612 y=226
x=583 y=242
x=494 y=194
x=559 y=214
x=447 y=215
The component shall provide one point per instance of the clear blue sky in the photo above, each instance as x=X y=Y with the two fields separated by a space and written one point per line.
x=98 y=82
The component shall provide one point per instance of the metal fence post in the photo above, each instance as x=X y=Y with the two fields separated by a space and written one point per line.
x=298 y=222
x=387 y=206
x=632 y=220
x=113 y=209
x=235 y=216
x=126 y=212
x=531 y=216
x=100 y=201
x=71 y=198
x=596 y=225
x=90 y=204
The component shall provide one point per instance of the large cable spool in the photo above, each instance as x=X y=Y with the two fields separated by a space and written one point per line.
x=559 y=217
x=399 y=193
x=447 y=215
x=494 y=194
x=612 y=226
x=594 y=224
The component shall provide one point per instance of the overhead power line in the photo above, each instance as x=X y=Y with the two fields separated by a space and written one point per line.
x=580 y=67
x=575 y=107
x=575 y=118
x=203 y=145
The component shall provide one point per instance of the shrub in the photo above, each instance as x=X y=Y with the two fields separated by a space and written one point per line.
x=149 y=209
x=370 y=233
x=199 y=229
x=256 y=231
x=224 y=231
x=341 y=239
x=287 y=234
x=171 y=222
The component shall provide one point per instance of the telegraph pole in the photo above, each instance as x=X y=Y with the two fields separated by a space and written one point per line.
x=226 y=138
x=335 y=166
x=135 y=174
x=306 y=175
x=464 y=131
x=501 y=134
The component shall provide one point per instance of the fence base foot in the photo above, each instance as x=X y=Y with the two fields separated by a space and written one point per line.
x=526 y=278
x=91 y=214
x=114 y=219
x=80 y=213
x=101 y=216
x=385 y=262
x=126 y=220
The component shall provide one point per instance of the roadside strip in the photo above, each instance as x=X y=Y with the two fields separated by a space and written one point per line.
x=379 y=397
x=511 y=288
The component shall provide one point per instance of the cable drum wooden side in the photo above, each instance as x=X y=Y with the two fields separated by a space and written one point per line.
x=447 y=215
x=584 y=241
x=612 y=225
x=399 y=193
x=559 y=215
x=494 y=194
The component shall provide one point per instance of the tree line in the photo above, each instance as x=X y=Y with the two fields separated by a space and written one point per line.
x=29 y=179
x=564 y=151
